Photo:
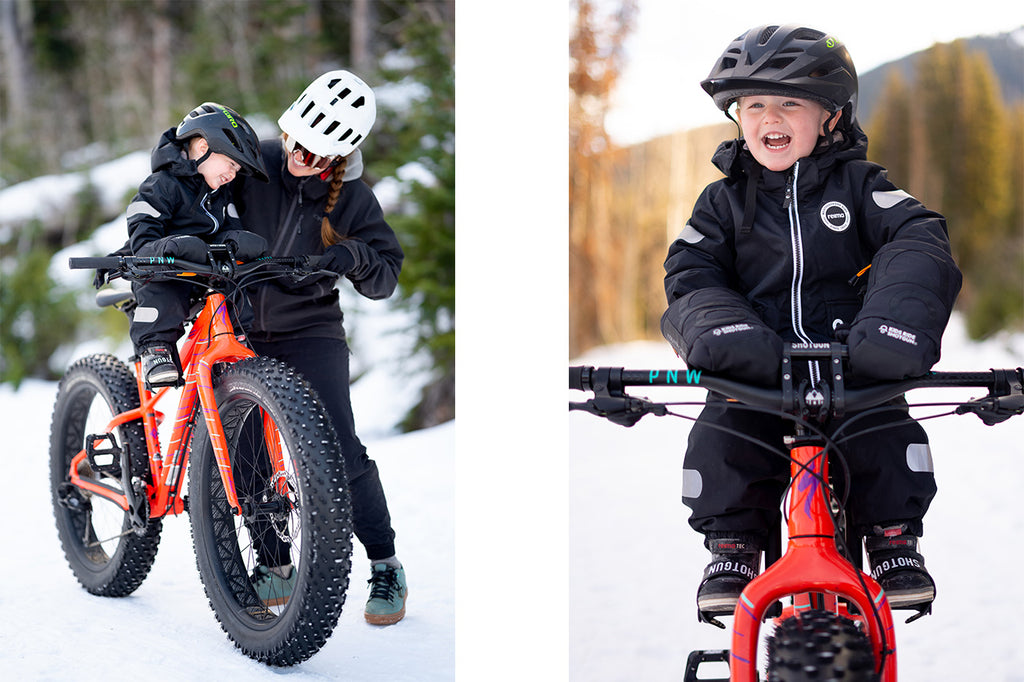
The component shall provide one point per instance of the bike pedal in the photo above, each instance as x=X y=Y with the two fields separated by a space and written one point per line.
x=70 y=497
x=922 y=611
x=700 y=657
x=106 y=461
x=709 y=618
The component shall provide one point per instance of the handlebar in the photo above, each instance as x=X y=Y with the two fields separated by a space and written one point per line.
x=1005 y=395
x=220 y=265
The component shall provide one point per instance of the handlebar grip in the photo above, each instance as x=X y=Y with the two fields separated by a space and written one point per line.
x=576 y=378
x=94 y=262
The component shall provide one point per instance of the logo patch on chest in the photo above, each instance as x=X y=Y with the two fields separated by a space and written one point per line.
x=835 y=216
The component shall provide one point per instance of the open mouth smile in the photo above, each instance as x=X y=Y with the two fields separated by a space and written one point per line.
x=776 y=141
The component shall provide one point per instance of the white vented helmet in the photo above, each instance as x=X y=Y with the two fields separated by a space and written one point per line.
x=332 y=116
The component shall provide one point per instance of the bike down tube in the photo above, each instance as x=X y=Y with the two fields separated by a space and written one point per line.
x=223 y=346
x=811 y=552
x=168 y=470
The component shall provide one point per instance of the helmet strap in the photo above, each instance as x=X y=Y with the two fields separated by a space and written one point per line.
x=728 y=115
x=205 y=156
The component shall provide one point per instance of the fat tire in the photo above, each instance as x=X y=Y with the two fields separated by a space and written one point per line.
x=322 y=547
x=101 y=386
x=820 y=645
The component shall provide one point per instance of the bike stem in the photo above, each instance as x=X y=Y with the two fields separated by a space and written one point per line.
x=811 y=563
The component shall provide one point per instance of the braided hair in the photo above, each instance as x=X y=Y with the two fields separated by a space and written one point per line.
x=328 y=235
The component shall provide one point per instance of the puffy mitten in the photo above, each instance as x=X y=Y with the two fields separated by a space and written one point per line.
x=184 y=246
x=716 y=330
x=247 y=245
x=910 y=295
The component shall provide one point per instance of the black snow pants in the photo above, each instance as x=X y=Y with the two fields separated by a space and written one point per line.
x=731 y=484
x=324 y=362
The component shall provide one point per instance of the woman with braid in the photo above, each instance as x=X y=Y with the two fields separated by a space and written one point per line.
x=316 y=204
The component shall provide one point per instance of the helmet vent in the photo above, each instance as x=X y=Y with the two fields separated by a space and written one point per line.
x=766 y=34
x=780 y=62
x=808 y=34
x=233 y=140
x=359 y=102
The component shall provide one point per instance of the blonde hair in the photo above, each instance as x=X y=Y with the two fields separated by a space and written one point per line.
x=328 y=235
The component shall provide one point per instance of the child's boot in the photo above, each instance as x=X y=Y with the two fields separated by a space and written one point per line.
x=159 y=367
x=899 y=568
x=735 y=561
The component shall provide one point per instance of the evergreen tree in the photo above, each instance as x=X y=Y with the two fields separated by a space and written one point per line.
x=890 y=129
x=34 y=318
x=419 y=147
x=960 y=162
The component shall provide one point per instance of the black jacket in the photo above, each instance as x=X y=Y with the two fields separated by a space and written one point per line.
x=175 y=199
x=751 y=270
x=287 y=213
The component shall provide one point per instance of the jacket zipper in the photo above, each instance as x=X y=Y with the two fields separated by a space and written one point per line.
x=206 y=210
x=791 y=204
x=283 y=244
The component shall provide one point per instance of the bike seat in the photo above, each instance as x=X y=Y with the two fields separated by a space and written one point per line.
x=114 y=297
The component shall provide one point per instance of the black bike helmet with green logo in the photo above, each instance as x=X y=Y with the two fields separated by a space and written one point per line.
x=227 y=133
x=786 y=60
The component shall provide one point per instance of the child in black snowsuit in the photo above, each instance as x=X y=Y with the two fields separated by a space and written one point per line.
x=177 y=211
x=772 y=254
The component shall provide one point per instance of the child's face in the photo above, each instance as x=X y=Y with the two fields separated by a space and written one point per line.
x=217 y=169
x=780 y=130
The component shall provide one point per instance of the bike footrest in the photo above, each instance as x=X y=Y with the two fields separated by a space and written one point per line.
x=700 y=657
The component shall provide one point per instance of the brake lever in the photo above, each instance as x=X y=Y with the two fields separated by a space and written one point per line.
x=1005 y=399
x=994 y=410
x=621 y=410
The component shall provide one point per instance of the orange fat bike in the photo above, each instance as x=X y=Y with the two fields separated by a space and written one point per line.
x=251 y=444
x=826 y=618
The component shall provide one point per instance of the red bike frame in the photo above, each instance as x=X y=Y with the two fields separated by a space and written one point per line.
x=814 y=572
x=210 y=341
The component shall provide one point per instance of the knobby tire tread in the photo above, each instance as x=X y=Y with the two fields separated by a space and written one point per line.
x=820 y=645
x=324 y=560
x=104 y=377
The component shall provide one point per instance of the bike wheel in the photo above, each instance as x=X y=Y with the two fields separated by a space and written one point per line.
x=300 y=515
x=106 y=555
x=820 y=645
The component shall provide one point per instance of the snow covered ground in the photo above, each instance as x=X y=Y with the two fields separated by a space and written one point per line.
x=635 y=563
x=52 y=629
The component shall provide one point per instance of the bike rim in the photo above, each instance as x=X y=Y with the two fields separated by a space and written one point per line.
x=269 y=531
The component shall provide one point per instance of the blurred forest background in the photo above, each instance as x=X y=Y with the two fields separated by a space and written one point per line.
x=83 y=82
x=948 y=124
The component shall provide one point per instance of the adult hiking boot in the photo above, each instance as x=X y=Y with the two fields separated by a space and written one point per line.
x=386 y=605
x=899 y=568
x=735 y=561
x=159 y=367
x=271 y=587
